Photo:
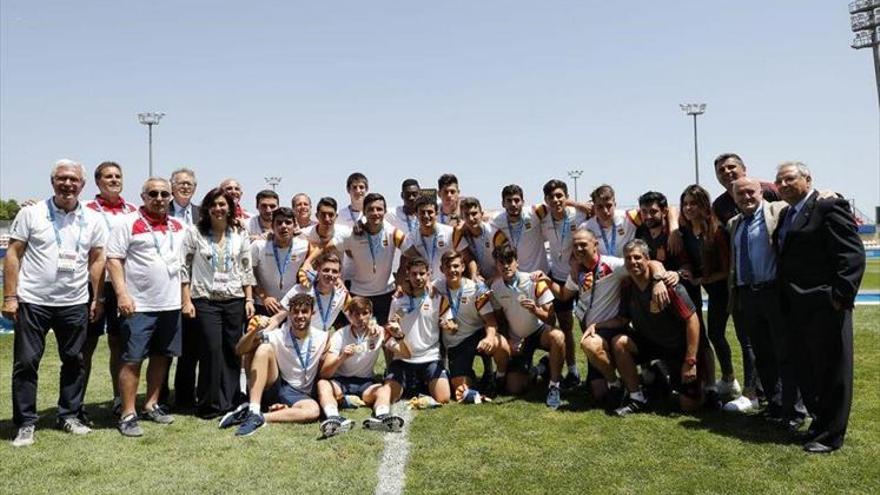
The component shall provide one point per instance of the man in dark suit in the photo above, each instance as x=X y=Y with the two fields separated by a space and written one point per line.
x=183 y=188
x=821 y=262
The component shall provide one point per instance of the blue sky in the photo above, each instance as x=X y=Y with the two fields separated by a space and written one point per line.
x=495 y=92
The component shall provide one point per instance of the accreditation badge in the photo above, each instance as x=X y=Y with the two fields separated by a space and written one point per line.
x=66 y=261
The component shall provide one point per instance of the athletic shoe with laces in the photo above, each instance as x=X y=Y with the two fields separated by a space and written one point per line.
x=631 y=406
x=384 y=422
x=252 y=423
x=74 y=426
x=334 y=425
x=236 y=416
x=553 y=398
x=158 y=415
x=128 y=426
x=24 y=437
x=741 y=405
x=730 y=389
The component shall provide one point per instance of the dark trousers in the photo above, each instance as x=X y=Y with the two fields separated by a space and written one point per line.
x=759 y=313
x=185 y=373
x=69 y=323
x=716 y=321
x=220 y=326
x=822 y=347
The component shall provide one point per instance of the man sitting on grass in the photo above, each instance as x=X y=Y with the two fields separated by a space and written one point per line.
x=671 y=335
x=284 y=365
x=347 y=369
x=414 y=320
x=528 y=308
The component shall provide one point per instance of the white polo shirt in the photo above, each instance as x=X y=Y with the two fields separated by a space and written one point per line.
x=340 y=232
x=419 y=321
x=111 y=215
x=327 y=307
x=406 y=223
x=612 y=239
x=44 y=278
x=558 y=234
x=372 y=260
x=254 y=228
x=152 y=253
x=602 y=301
x=506 y=297
x=480 y=247
x=431 y=247
x=348 y=216
x=466 y=306
x=298 y=360
x=275 y=268
x=525 y=236
x=361 y=363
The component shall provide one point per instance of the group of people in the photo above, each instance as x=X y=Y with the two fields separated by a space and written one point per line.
x=305 y=304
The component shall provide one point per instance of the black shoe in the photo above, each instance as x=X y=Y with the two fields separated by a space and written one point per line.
x=794 y=424
x=712 y=400
x=661 y=386
x=571 y=380
x=613 y=398
x=541 y=371
x=631 y=406
x=487 y=385
x=815 y=447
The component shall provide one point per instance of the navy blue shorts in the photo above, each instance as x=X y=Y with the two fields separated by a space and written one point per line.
x=151 y=333
x=673 y=358
x=461 y=357
x=282 y=392
x=558 y=304
x=522 y=362
x=110 y=317
x=415 y=377
x=353 y=385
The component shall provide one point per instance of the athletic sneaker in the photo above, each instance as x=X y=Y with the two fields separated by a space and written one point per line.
x=129 y=427
x=236 y=416
x=630 y=407
x=571 y=380
x=613 y=398
x=334 y=425
x=741 y=405
x=384 y=422
x=553 y=399
x=728 y=389
x=74 y=426
x=158 y=415
x=24 y=437
x=252 y=423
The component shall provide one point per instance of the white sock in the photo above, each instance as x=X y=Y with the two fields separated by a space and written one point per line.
x=380 y=410
x=554 y=384
x=615 y=383
x=500 y=374
x=638 y=396
x=331 y=410
x=254 y=407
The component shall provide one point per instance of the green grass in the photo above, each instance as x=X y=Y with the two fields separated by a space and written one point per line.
x=871 y=279
x=510 y=446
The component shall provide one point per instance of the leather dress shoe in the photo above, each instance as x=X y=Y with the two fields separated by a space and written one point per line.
x=815 y=447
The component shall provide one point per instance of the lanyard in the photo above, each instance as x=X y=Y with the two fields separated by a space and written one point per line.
x=410 y=222
x=454 y=302
x=227 y=255
x=282 y=266
x=514 y=286
x=105 y=215
x=168 y=233
x=413 y=305
x=303 y=361
x=351 y=211
x=430 y=255
x=582 y=277
x=359 y=339
x=566 y=223
x=516 y=235
x=473 y=245
x=325 y=315
x=612 y=248
x=375 y=246
x=81 y=222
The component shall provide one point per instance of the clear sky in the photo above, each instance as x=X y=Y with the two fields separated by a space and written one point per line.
x=495 y=92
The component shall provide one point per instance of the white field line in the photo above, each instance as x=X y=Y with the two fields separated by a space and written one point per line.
x=392 y=468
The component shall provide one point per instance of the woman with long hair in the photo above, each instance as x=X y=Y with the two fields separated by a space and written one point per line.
x=707 y=244
x=217 y=292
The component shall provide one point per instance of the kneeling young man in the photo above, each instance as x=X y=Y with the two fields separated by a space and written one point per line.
x=284 y=365
x=414 y=320
x=348 y=369
x=528 y=308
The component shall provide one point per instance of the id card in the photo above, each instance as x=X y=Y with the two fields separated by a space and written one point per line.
x=221 y=282
x=66 y=261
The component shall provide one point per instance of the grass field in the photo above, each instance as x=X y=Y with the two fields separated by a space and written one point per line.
x=511 y=446
x=871 y=279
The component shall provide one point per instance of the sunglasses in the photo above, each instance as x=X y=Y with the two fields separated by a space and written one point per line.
x=156 y=194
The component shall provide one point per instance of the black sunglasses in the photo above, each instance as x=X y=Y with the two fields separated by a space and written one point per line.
x=156 y=194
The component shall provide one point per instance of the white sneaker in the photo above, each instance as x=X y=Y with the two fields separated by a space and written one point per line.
x=24 y=437
x=728 y=389
x=741 y=405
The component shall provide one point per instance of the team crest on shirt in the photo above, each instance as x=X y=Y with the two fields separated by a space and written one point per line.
x=488 y=245
x=464 y=300
x=620 y=231
x=572 y=227
x=441 y=243
x=385 y=242
x=528 y=225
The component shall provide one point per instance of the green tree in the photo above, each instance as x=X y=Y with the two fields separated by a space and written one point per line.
x=8 y=209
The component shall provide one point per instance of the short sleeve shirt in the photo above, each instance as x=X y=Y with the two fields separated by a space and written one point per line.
x=602 y=300
x=298 y=360
x=525 y=236
x=420 y=323
x=361 y=363
x=275 y=269
x=431 y=247
x=558 y=234
x=666 y=329
x=327 y=306
x=466 y=306
x=372 y=260
x=507 y=296
x=480 y=247
x=612 y=239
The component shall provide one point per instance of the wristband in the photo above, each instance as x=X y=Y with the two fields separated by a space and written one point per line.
x=249 y=300
x=10 y=298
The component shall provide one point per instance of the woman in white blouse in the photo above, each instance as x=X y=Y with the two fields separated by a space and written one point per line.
x=217 y=283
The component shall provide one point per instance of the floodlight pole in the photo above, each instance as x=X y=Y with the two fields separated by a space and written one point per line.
x=272 y=181
x=150 y=119
x=695 y=109
x=575 y=175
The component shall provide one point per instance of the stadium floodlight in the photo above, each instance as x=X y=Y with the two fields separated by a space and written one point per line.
x=575 y=175
x=862 y=20
x=272 y=181
x=862 y=5
x=863 y=39
x=695 y=109
x=150 y=119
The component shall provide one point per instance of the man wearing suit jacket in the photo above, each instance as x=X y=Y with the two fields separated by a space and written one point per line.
x=183 y=188
x=821 y=262
x=754 y=303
